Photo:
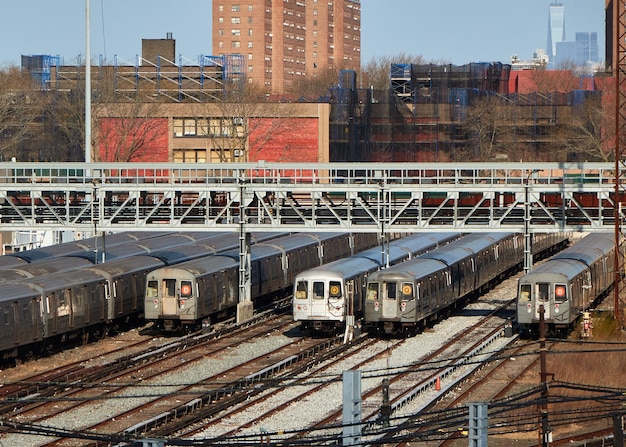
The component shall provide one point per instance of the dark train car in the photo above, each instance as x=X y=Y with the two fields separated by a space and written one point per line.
x=566 y=285
x=405 y=298
x=188 y=295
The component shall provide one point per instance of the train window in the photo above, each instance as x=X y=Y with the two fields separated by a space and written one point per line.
x=391 y=290
x=185 y=289
x=334 y=289
x=543 y=290
x=407 y=291
x=169 y=288
x=560 y=292
x=152 y=289
x=524 y=292
x=372 y=291
x=301 y=288
x=318 y=290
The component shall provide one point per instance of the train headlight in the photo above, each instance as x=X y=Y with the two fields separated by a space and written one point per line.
x=528 y=308
x=403 y=306
x=156 y=304
x=376 y=306
x=556 y=308
x=182 y=304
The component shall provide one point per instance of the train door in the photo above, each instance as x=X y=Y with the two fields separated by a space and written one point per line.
x=11 y=321
x=542 y=298
x=390 y=300
x=168 y=297
x=318 y=299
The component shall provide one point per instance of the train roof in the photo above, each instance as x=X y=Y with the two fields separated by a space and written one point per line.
x=414 y=268
x=43 y=268
x=567 y=268
x=342 y=268
x=131 y=264
x=16 y=291
x=196 y=267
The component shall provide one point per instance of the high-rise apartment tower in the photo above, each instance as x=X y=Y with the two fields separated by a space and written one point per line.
x=283 y=41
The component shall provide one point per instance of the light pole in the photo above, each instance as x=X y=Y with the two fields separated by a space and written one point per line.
x=528 y=239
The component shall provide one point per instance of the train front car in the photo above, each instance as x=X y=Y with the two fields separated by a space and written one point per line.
x=178 y=297
x=401 y=299
x=567 y=284
x=559 y=287
x=325 y=295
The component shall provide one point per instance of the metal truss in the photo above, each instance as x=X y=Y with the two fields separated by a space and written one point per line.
x=317 y=197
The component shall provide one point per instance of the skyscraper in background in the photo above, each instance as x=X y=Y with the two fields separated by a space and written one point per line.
x=586 y=47
x=556 y=28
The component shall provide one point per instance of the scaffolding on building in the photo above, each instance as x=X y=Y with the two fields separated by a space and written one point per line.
x=153 y=81
x=423 y=116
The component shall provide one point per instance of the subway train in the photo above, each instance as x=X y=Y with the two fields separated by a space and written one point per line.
x=194 y=294
x=72 y=260
x=567 y=284
x=325 y=295
x=48 y=310
x=407 y=297
x=77 y=247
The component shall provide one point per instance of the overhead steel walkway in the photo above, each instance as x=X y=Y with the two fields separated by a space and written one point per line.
x=356 y=197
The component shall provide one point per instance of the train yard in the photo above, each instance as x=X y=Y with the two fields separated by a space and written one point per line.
x=272 y=379
x=201 y=387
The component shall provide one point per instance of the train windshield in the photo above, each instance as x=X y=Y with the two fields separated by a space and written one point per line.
x=524 y=292
x=301 y=288
x=372 y=291
x=152 y=289
x=318 y=290
x=543 y=290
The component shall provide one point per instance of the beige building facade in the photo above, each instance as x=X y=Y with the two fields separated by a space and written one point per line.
x=284 y=41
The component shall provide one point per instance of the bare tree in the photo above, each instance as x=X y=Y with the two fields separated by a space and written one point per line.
x=489 y=124
x=587 y=133
x=128 y=130
x=316 y=86
x=243 y=123
x=21 y=112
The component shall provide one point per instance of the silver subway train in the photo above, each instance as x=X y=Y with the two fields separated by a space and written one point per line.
x=567 y=284
x=324 y=296
x=407 y=297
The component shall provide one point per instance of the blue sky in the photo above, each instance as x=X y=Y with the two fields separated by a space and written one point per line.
x=454 y=31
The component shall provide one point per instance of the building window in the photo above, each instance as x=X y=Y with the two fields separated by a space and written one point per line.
x=235 y=8
x=220 y=45
x=221 y=8
x=249 y=32
x=236 y=32
x=220 y=20
x=236 y=44
x=189 y=155
x=220 y=32
x=235 y=20
x=249 y=19
x=249 y=8
x=250 y=46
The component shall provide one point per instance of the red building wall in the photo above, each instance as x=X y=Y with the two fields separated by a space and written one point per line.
x=118 y=135
x=284 y=139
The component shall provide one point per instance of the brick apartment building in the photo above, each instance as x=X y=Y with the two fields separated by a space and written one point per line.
x=283 y=42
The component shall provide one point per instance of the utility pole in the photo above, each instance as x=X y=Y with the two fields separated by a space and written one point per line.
x=546 y=433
